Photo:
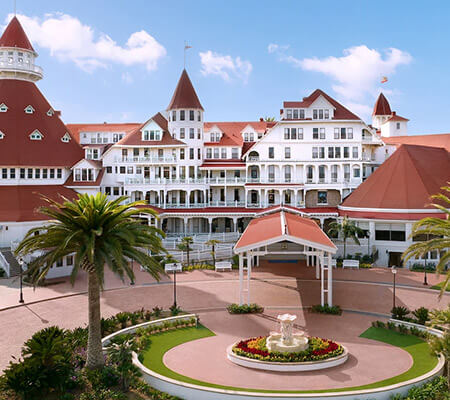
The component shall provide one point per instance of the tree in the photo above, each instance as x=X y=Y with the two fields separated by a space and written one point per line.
x=438 y=232
x=97 y=232
x=185 y=246
x=441 y=345
x=213 y=243
x=269 y=119
x=348 y=230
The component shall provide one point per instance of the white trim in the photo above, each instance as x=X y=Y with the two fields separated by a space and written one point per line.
x=391 y=210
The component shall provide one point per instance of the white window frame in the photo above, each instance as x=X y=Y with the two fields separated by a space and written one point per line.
x=36 y=135
x=29 y=109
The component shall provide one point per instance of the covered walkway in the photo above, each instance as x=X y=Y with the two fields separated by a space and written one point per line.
x=288 y=236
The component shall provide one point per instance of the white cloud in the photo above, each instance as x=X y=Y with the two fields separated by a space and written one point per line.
x=68 y=38
x=356 y=75
x=273 y=47
x=225 y=66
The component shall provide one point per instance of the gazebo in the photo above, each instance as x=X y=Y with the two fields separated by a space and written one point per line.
x=286 y=234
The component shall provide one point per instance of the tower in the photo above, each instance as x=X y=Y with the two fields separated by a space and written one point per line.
x=387 y=121
x=185 y=116
x=381 y=111
x=17 y=56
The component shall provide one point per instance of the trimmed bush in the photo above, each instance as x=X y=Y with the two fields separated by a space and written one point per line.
x=435 y=389
x=245 y=308
x=421 y=315
x=399 y=313
x=326 y=309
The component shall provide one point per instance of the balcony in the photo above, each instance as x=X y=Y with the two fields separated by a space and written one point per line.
x=34 y=71
x=146 y=160
x=138 y=180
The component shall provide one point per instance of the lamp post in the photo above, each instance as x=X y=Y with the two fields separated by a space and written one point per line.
x=175 y=288
x=20 y=261
x=394 y=272
x=425 y=281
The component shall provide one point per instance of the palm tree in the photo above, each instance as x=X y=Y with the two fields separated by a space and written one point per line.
x=98 y=232
x=348 y=229
x=269 y=119
x=213 y=243
x=185 y=245
x=438 y=231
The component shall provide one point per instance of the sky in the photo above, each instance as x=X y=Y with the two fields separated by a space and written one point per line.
x=119 y=61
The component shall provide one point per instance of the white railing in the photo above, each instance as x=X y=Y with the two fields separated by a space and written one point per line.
x=146 y=159
x=4 y=264
x=201 y=255
x=17 y=66
x=204 y=237
x=182 y=181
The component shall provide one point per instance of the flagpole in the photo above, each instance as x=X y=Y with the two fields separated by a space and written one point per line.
x=184 y=63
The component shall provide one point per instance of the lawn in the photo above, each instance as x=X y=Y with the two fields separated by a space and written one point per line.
x=439 y=287
x=419 y=350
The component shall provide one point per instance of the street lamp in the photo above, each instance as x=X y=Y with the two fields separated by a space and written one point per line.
x=175 y=287
x=394 y=272
x=425 y=281
x=20 y=261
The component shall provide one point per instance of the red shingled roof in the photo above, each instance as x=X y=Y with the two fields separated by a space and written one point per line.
x=382 y=106
x=431 y=140
x=232 y=131
x=16 y=148
x=15 y=36
x=134 y=138
x=184 y=95
x=406 y=180
x=19 y=203
x=76 y=129
x=395 y=117
x=340 y=111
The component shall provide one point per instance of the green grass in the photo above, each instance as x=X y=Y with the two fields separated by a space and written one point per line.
x=439 y=287
x=419 y=350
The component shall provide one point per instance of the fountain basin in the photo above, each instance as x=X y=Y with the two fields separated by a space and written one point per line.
x=298 y=342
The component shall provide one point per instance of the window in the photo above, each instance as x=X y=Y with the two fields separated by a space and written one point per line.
x=346 y=152
x=116 y=190
x=301 y=114
x=199 y=116
x=199 y=154
x=215 y=136
x=191 y=133
x=321 y=173
x=321 y=152
x=389 y=232
x=315 y=133
x=271 y=173
x=3 y=107
x=59 y=173
x=336 y=133
x=398 y=125
x=315 y=152
x=174 y=115
x=235 y=153
x=191 y=154
x=50 y=112
x=356 y=172
x=346 y=172
x=334 y=173
x=208 y=152
x=330 y=152
x=295 y=113
x=355 y=152
x=322 y=133
x=109 y=170
x=287 y=173
x=52 y=173
x=286 y=133
x=45 y=173
x=322 y=197
x=289 y=114
x=182 y=133
x=271 y=152
x=22 y=173
x=30 y=173
x=300 y=133
x=129 y=170
x=92 y=154
x=181 y=115
x=287 y=152
x=216 y=152
x=349 y=133
x=69 y=260
x=199 y=134
x=309 y=173
x=161 y=154
x=321 y=114
x=36 y=135
x=29 y=110
x=337 y=152
x=191 y=115
x=12 y=173
x=122 y=170
x=223 y=153
x=59 y=263
x=4 y=173
x=37 y=173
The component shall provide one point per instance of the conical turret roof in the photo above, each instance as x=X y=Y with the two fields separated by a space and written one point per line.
x=382 y=106
x=15 y=36
x=184 y=95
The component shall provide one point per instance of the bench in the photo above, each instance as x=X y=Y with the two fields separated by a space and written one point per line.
x=173 y=267
x=350 y=264
x=223 y=265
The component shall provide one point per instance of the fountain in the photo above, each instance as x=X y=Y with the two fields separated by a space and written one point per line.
x=286 y=341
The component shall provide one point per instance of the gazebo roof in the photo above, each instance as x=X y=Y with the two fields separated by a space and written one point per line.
x=283 y=226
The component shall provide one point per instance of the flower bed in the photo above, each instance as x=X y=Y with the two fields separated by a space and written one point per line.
x=318 y=350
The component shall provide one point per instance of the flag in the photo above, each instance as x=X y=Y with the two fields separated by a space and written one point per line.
x=186 y=46
x=384 y=79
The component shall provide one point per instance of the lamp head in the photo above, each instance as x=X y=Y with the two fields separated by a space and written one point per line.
x=394 y=270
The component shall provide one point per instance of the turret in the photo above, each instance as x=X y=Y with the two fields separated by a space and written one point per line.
x=381 y=111
x=17 y=55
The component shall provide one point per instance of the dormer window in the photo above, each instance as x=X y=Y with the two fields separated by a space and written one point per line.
x=321 y=113
x=249 y=137
x=66 y=138
x=398 y=125
x=29 y=110
x=151 y=135
x=36 y=135
x=50 y=112
x=2 y=135
x=92 y=154
x=215 y=136
x=84 y=175
x=3 y=107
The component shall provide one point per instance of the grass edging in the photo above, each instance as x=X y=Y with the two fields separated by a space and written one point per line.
x=423 y=361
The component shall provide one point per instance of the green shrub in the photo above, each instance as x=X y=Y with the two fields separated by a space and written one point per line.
x=245 y=308
x=421 y=315
x=174 y=310
x=399 y=313
x=145 y=389
x=193 y=267
x=326 y=309
x=421 y=267
x=157 y=311
x=103 y=378
x=108 y=325
x=365 y=265
x=103 y=394
x=403 y=329
x=435 y=389
x=380 y=324
x=148 y=315
x=392 y=326
x=122 y=319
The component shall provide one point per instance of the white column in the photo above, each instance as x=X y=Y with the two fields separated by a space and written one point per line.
x=185 y=222
x=317 y=264
x=330 y=281
x=210 y=224
x=322 y=280
x=249 y=273
x=241 y=279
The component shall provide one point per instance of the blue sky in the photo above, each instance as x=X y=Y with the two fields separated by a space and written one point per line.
x=246 y=57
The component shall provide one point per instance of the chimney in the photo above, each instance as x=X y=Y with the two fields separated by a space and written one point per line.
x=261 y=119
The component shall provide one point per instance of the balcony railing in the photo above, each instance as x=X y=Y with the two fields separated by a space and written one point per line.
x=200 y=205
x=21 y=67
x=146 y=159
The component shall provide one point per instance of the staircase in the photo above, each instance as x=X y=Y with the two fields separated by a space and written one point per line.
x=14 y=267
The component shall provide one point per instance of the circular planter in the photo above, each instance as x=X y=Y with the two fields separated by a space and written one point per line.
x=286 y=366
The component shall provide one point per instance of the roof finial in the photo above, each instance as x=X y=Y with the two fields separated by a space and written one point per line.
x=186 y=46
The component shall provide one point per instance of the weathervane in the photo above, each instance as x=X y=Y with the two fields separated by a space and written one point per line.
x=186 y=46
